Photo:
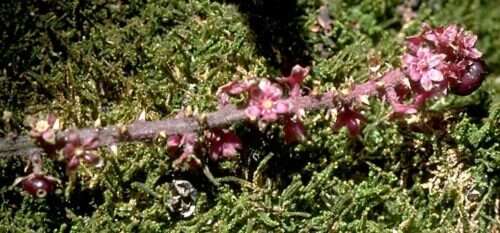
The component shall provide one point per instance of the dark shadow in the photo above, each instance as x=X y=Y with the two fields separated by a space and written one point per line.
x=30 y=43
x=285 y=162
x=276 y=27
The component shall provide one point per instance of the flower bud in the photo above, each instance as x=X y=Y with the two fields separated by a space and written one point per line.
x=173 y=143
x=294 y=131
x=351 y=120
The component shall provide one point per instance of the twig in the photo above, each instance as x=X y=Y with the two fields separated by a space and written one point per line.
x=143 y=131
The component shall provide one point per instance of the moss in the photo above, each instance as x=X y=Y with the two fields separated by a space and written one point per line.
x=89 y=60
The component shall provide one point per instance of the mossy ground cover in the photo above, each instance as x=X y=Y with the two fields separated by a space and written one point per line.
x=110 y=60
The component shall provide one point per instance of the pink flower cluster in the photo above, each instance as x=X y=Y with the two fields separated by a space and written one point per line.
x=442 y=58
x=267 y=102
x=221 y=144
x=271 y=101
x=437 y=60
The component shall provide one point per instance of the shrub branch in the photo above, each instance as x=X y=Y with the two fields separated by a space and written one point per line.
x=143 y=131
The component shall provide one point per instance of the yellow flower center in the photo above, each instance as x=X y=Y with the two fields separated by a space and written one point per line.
x=42 y=126
x=267 y=104
x=79 y=151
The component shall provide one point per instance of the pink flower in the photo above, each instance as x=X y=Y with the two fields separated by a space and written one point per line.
x=223 y=144
x=183 y=148
x=424 y=67
x=442 y=58
x=77 y=150
x=466 y=45
x=185 y=142
x=294 y=131
x=452 y=39
x=45 y=130
x=350 y=119
x=442 y=36
x=266 y=103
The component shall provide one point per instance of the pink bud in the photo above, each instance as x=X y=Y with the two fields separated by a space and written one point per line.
x=297 y=75
x=294 y=131
x=295 y=79
x=232 y=88
x=353 y=126
x=351 y=120
x=173 y=143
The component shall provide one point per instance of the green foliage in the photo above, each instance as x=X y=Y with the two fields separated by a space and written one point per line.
x=109 y=60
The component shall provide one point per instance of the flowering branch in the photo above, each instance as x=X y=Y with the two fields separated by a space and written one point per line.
x=149 y=130
x=437 y=61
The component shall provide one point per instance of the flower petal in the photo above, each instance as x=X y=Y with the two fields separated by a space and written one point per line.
x=435 y=75
x=73 y=163
x=426 y=83
x=252 y=112
x=281 y=107
x=435 y=60
x=269 y=116
x=269 y=90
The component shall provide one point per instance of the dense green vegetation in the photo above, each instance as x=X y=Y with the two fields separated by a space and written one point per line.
x=109 y=60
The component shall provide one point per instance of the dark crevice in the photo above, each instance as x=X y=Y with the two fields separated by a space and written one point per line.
x=276 y=27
